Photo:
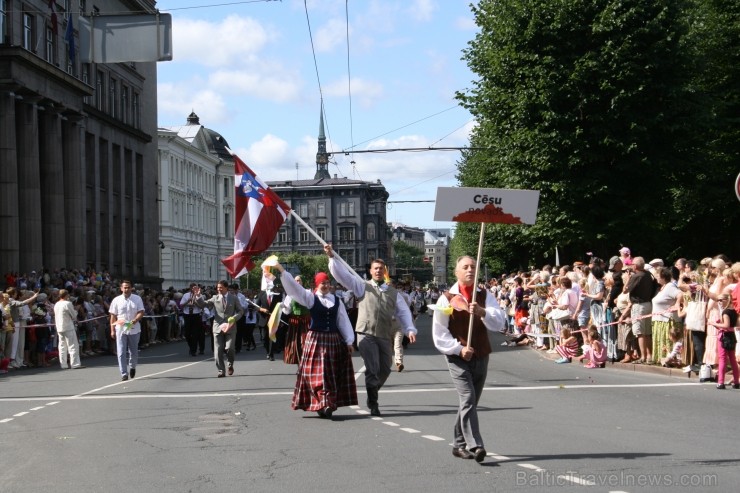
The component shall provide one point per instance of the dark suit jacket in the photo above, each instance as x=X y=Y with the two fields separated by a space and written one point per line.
x=262 y=318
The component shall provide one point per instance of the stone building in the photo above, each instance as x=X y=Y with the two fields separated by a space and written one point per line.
x=78 y=174
x=196 y=204
x=436 y=247
x=348 y=213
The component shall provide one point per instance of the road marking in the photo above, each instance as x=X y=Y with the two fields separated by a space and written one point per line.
x=37 y=408
x=410 y=430
x=6 y=420
x=20 y=414
x=362 y=411
x=359 y=373
x=390 y=423
x=531 y=466
x=576 y=480
x=433 y=438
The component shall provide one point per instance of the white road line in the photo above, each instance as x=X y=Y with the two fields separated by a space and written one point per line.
x=6 y=420
x=390 y=423
x=433 y=438
x=531 y=466
x=37 y=408
x=576 y=480
x=362 y=411
x=20 y=414
x=52 y=403
x=410 y=430
x=359 y=373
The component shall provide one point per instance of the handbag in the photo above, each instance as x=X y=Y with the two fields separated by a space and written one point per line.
x=696 y=314
x=558 y=314
x=728 y=340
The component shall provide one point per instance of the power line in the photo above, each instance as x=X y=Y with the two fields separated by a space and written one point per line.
x=349 y=81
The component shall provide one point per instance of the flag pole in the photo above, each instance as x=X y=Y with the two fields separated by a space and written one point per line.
x=475 y=279
x=323 y=242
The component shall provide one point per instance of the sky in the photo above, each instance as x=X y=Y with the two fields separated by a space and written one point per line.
x=248 y=70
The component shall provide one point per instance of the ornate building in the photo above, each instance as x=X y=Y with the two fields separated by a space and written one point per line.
x=77 y=161
x=350 y=214
x=196 y=204
x=436 y=246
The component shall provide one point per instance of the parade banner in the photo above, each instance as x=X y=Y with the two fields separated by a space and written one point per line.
x=486 y=205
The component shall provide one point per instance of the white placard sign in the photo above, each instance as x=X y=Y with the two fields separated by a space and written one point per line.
x=486 y=205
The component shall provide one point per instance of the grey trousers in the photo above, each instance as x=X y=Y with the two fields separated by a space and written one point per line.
x=469 y=378
x=224 y=343
x=377 y=354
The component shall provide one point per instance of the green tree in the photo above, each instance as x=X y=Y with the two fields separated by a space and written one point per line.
x=410 y=260
x=593 y=103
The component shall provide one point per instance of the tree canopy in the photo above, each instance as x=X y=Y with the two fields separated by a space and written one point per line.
x=622 y=113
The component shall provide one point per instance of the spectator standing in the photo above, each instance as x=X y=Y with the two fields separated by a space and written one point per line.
x=65 y=316
x=641 y=288
x=194 y=334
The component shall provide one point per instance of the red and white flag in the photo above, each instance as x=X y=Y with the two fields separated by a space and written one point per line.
x=259 y=215
x=54 y=22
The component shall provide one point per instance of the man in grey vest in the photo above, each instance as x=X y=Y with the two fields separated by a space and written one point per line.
x=378 y=303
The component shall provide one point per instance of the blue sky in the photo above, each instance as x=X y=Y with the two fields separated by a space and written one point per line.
x=247 y=70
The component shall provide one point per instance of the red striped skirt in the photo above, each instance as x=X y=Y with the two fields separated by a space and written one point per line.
x=326 y=377
x=295 y=338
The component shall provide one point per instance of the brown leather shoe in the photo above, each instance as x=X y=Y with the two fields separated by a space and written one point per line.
x=399 y=367
x=462 y=453
x=231 y=370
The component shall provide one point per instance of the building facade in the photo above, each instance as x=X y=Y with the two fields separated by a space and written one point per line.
x=196 y=204
x=350 y=214
x=436 y=248
x=78 y=162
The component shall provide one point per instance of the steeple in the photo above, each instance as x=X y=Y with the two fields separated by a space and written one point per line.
x=322 y=157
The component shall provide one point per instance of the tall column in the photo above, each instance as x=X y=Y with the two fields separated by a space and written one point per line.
x=29 y=192
x=55 y=216
x=9 y=248
x=74 y=191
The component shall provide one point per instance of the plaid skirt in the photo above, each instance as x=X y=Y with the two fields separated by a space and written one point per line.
x=295 y=338
x=325 y=374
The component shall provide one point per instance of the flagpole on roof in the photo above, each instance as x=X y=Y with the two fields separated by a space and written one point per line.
x=323 y=242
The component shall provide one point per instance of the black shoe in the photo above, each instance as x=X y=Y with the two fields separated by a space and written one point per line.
x=201 y=352
x=479 y=453
x=230 y=371
x=132 y=372
x=325 y=413
x=124 y=378
x=192 y=353
x=462 y=453
x=720 y=386
x=374 y=411
x=271 y=358
x=736 y=386
x=220 y=374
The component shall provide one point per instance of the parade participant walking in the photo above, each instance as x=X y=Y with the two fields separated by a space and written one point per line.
x=194 y=333
x=227 y=310
x=64 y=319
x=299 y=320
x=126 y=311
x=267 y=301
x=325 y=374
x=467 y=360
x=378 y=303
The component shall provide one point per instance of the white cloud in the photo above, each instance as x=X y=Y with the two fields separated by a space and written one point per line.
x=269 y=85
x=176 y=101
x=466 y=23
x=422 y=10
x=214 y=44
x=331 y=35
x=365 y=92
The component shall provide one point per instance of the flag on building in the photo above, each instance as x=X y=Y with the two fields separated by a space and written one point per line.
x=259 y=215
x=54 y=23
x=69 y=37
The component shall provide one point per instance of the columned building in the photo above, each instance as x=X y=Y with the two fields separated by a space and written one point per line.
x=350 y=214
x=196 y=204
x=77 y=161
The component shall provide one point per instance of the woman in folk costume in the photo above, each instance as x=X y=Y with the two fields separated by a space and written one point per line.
x=299 y=320
x=325 y=374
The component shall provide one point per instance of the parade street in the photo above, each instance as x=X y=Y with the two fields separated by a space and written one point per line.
x=177 y=428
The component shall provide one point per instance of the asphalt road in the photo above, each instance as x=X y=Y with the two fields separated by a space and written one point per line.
x=178 y=428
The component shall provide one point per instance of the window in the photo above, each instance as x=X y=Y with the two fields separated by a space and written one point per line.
x=135 y=115
x=49 y=51
x=124 y=103
x=227 y=225
x=370 y=236
x=100 y=90
x=321 y=209
x=113 y=97
x=28 y=32
x=347 y=209
x=321 y=231
x=3 y=23
x=303 y=235
x=283 y=236
x=371 y=208
x=226 y=187
x=303 y=210
x=346 y=234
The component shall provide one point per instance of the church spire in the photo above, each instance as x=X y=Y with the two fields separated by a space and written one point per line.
x=322 y=157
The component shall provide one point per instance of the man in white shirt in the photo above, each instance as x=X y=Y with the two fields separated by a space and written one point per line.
x=64 y=319
x=126 y=311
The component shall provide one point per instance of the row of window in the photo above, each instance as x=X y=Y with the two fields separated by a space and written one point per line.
x=189 y=175
x=346 y=234
x=345 y=209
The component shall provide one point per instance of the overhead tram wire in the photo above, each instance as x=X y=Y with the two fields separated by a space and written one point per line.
x=349 y=90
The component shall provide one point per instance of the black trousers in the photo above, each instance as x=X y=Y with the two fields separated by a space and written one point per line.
x=194 y=333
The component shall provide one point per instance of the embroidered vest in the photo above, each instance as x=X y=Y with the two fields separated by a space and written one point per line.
x=458 y=327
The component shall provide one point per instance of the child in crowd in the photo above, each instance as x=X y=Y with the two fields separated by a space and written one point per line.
x=583 y=309
x=673 y=359
x=567 y=347
x=594 y=353
x=726 y=342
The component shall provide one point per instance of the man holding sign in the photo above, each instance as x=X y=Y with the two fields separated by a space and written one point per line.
x=467 y=360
